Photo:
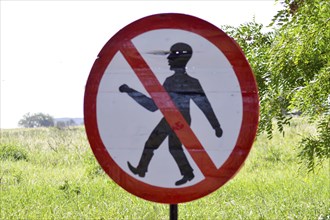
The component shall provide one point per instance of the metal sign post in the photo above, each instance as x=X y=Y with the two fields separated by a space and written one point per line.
x=173 y=211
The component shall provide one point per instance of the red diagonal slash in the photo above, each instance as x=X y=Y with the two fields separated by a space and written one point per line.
x=168 y=109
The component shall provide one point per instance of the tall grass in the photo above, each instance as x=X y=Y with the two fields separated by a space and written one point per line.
x=52 y=174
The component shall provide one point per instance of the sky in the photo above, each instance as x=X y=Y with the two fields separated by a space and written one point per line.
x=49 y=47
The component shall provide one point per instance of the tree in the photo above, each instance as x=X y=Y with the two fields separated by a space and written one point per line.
x=65 y=123
x=256 y=45
x=300 y=66
x=292 y=68
x=36 y=120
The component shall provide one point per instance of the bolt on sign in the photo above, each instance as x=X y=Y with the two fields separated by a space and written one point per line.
x=171 y=108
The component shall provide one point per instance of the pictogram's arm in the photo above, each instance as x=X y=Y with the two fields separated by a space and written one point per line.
x=205 y=106
x=140 y=98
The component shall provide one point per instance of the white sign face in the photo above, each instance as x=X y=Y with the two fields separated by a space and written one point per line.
x=125 y=126
x=171 y=108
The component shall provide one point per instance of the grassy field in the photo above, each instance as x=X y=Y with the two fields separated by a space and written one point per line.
x=52 y=174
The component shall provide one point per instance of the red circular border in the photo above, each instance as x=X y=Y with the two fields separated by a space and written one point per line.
x=250 y=108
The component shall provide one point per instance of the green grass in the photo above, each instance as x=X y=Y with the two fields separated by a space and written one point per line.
x=52 y=174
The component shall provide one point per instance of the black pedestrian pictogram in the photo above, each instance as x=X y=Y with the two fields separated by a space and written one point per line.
x=181 y=88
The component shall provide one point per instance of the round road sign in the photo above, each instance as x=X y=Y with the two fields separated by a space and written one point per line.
x=171 y=108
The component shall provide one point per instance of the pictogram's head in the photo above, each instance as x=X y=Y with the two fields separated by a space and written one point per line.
x=179 y=55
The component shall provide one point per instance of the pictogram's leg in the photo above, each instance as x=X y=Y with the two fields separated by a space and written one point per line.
x=155 y=139
x=180 y=158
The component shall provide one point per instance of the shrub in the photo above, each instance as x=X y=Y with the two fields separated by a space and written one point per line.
x=12 y=152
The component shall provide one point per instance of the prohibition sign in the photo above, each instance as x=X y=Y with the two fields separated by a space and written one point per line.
x=128 y=57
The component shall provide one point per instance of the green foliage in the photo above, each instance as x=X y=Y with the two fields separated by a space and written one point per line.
x=300 y=66
x=36 y=120
x=292 y=69
x=12 y=151
x=284 y=15
x=311 y=99
x=300 y=53
x=316 y=149
x=93 y=169
x=257 y=45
